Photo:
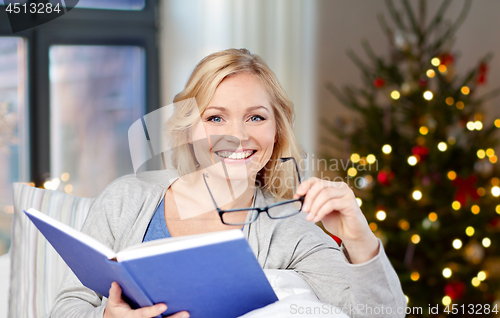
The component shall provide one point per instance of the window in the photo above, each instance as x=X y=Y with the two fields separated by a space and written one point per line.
x=96 y=94
x=70 y=89
x=13 y=141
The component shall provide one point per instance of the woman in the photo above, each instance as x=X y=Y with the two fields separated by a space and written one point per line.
x=236 y=135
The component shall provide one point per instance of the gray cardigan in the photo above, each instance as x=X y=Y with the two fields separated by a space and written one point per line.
x=120 y=216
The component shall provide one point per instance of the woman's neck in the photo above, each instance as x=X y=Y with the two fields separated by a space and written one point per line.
x=227 y=193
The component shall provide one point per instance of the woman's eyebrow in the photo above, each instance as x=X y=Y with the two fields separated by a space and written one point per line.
x=252 y=108
x=256 y=107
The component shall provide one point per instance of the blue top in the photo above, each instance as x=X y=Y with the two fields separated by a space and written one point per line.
x=157 y=228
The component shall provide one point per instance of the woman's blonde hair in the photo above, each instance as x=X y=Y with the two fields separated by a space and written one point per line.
x=201 y=86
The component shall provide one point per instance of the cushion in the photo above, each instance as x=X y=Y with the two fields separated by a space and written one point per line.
x=36 y=268
x=296 y=299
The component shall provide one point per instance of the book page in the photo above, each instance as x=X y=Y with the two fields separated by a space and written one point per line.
x=172 y=244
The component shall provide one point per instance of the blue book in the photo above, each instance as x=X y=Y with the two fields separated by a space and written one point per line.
x=209 y=275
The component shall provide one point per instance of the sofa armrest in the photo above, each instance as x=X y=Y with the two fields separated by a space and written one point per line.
x=4 y=284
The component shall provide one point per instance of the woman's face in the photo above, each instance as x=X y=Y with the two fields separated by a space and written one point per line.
x=240 y=125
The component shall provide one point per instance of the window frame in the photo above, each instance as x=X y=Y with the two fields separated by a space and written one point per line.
x=81 y=27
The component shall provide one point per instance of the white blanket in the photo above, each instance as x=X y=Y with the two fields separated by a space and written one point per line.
x=296 y=299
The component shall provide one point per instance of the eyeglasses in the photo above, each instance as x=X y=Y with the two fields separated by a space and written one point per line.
x=278 y=210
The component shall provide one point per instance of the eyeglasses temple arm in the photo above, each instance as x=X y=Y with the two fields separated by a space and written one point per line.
x=210 y=192
x=296 y=166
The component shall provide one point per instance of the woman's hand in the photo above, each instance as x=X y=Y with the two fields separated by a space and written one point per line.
x=335 y=205
x=118 y=308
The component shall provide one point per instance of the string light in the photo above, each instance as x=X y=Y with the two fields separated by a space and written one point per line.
x=387 y=149
x=493 y=159
x=428 y=95
x=447 y=272
x=407 y=299
x=490 y=152
x=460 y=105
x=68 y=188
x=352 y=171
x=371 y=158
x=495 y=191
x=497 y=209
x=417 y=195
x=355 y=157
x=449 y=101
x=65 y=176
x=435 y=61
x=481 y=275
x=442 y=68
x=423 y=130
x=478 y=125
x=451 y=140
x=457 y=244
x=456 y=205
x=404 y=225
x=475 y=282
x=381 y=215
x=446 y=300
x=412 y=160
x=442 y=146
x=470 y=125
x=475 y=209
x=480 y=153
x=486 y=242
x=415 y=238
x=373 y=226
x=430 y=73
x=359 y=201
x=452 y=175
x=395 y=95
x=465 y=90
x=469 y=231
x=497 y=123
x=433 y=216
x=415 y=276
x=481 y=191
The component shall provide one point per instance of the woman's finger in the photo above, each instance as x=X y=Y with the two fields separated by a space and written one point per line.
x=180 y=314
x=321 y=198
x=303 y=188
x=329 y=207
x=151 y=311
x=115 y=293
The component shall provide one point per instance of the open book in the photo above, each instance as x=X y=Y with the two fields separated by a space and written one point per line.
x=210 y=275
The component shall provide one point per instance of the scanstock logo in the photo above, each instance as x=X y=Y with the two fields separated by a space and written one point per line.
x=27 y=14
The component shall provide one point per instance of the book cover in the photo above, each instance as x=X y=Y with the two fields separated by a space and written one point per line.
x=209 y=275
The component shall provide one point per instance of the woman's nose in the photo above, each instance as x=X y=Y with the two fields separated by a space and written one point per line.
x=238 y=130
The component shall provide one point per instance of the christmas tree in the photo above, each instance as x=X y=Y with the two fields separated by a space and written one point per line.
x=433 y=199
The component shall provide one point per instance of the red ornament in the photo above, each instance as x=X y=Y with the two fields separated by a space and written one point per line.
x=379 y=82
x=455 y=290
x=384 y=177
x=495 y=222
x=420 y=152
x=465 y=188
x=481 y=75
x=422 y=82
x=446 y=59
x=337 y=239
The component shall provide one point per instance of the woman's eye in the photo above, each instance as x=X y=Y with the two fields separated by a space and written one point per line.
x=215 y=119
x=256 y=118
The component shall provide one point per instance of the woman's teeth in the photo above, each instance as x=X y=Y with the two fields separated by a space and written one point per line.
x=235 y=155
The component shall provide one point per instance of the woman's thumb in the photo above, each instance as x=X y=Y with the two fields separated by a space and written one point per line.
x=115 y=293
